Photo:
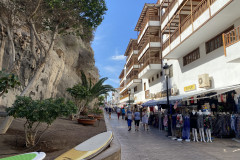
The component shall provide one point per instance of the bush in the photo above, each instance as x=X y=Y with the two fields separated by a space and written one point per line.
x=37 y=112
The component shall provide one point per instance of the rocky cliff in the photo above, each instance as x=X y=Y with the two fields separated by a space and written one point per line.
x=69 y=56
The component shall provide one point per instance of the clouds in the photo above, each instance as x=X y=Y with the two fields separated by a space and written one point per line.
x=118 y=57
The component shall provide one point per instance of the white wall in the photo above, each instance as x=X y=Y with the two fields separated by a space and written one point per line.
x=214 y=63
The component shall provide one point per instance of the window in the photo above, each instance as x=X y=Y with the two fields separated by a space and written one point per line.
x=144 y=86
x=135 y=89
x=171 y=71
x=149 y=80
x=152 y=79
x=157 y=76
x=193 y=56
x=216 y=42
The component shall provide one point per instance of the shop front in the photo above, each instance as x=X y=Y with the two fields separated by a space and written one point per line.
x=201 y=114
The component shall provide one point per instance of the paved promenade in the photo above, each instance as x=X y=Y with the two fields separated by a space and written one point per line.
x=154 y=145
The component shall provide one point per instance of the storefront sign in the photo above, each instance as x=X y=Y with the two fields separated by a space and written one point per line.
x=190 y=88
x=163 y=94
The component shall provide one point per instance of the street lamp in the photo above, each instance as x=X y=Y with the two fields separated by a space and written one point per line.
x=167 y=72
x=129 y=92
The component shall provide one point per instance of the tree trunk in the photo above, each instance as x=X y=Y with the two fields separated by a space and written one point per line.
x=10 y=36
x=2 y=49
x=7 y=122
x=33 y=43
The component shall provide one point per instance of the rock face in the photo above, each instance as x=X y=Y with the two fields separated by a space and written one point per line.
x=70 y=55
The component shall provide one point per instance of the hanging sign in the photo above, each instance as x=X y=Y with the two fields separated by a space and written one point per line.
x=190 y=88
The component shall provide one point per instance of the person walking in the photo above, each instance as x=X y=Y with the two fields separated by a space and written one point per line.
x=137 y=119
x=123 y=113
x=109 y=112
x=118 y=112
x=129 y=116
x=145 y=119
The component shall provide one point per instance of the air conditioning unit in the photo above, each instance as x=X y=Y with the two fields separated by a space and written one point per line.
x=174 y=91
x=203 y=81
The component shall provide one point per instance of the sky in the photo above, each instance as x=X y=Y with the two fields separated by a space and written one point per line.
x=113 y=35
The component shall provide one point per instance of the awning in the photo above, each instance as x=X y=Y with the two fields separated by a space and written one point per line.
x=187 y=96
x=150 y=103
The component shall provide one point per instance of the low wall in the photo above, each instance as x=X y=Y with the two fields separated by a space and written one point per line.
x=114 y=151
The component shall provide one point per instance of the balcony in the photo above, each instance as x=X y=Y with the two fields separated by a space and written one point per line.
x=121 y=76
x=124 y=97
x=151 y=43
x=151 y=24
x=132 y=79
x=122 y=84
x=206 y=20
x=164 y=3
x=132 y=64
x=149 y=20
x=170 y=11
x=131 y=50
x=149 y=67
x=231 y=43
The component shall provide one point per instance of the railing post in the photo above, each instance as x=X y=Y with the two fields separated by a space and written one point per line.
x=238 y=33
x=224 y=44
x=191 y=15
x=208 y=2
x=235 y=31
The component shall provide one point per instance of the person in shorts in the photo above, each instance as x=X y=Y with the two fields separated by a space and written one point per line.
x=137 y=119
x=129 y=116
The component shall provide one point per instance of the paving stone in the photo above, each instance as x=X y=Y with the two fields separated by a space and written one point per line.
x=154 y=145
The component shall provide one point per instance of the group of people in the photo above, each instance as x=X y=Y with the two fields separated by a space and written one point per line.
x=134 y=115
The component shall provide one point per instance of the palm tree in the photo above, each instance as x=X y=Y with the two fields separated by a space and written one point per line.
x=85 y=91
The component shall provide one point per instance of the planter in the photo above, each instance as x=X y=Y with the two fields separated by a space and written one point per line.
x=87 y=121
x=98 y=117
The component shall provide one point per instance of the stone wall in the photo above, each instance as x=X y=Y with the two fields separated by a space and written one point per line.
x=70 y=55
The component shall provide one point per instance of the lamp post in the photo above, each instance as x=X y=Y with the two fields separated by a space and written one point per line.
x=166 y=69
x=129 y=92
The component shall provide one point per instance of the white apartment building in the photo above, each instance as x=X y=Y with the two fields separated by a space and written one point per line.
x=116 y=97
x=198 y=39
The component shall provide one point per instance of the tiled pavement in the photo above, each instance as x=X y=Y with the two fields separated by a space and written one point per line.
x=154 y=145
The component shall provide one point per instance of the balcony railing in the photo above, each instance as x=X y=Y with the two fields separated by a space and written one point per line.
x=197 y=11
x=152 y=60
x=125 y=96
x=150 y=39
x=231 y=38
x=132 y=78
x=146 y=20
x=133 y=61
x=167 y=11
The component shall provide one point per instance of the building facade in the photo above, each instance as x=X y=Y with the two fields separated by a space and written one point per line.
x=198 y=39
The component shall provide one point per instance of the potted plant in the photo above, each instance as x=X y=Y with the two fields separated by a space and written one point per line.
x=96 y=113
x=85 y=92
